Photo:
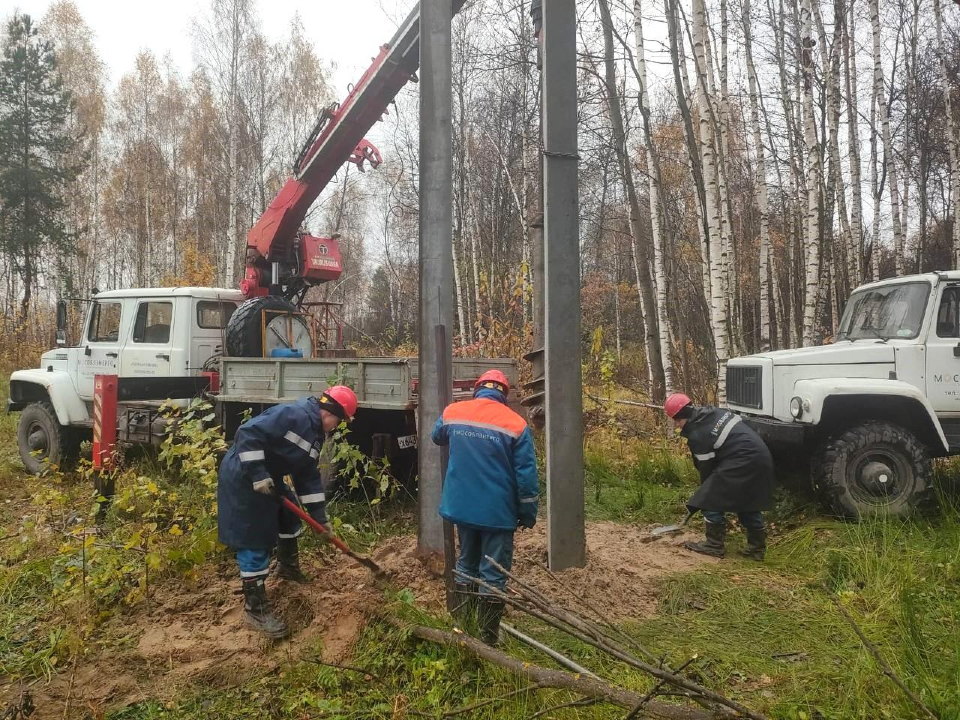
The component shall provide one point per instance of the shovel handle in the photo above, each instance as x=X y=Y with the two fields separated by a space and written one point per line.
x=303 y=515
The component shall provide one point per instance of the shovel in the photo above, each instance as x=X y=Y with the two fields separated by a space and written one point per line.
x=377 y=571
x=670 y=529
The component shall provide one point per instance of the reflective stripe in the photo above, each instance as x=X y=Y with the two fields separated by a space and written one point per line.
x=287 y=536
x=529 y=500
x=251 y=455
x=255 y=573
x=726 y=431
x=707 y=456
x=301 y=443
x=312 y=498
x=483 y=425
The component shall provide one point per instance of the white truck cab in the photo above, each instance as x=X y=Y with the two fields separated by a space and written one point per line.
x=146 y=332
x=871 y=409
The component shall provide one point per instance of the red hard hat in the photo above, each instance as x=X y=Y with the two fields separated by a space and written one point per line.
x=493 y=376
x=341 y=401
x=675 y=403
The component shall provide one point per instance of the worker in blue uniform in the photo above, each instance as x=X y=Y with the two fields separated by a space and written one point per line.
x=284 y=440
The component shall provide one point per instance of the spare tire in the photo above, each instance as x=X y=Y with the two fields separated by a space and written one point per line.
x=284 y=327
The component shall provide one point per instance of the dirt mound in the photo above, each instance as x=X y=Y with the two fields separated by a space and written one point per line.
x=194 y=635
x=618 y=578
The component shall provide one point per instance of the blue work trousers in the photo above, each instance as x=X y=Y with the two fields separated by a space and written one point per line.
x=749 y=520
x=475 y=546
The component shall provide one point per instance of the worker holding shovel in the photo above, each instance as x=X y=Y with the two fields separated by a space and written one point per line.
x=284 y=440
x=490 y=490
x=736 y=474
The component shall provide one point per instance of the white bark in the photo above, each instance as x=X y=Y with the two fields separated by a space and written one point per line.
x=718 y=303
x=760 y=180
x=953 y=139
x=812 y=220
x=881 y=95
x=855 y=251
x=653 y=176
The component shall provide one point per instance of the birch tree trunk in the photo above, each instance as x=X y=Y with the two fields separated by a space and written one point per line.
x=812 y=221
x=761 y=182
x=888 y=151
x=953 y=140
x=718 y=303
x=641 y=259
x=656 y=209
x=855 y=251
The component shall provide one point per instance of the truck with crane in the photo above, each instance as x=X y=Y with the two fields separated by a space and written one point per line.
x=245 y=348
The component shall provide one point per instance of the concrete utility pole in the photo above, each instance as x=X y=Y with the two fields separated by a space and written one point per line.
x=436 y=256
x=566 y=541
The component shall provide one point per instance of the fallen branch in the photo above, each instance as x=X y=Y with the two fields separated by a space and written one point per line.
x=366 y=673
x=545 y=677
x=490 y=701
x=536 y=606
x=887 y=670
x=653 y=691
x=582 y=702
x=546 y=649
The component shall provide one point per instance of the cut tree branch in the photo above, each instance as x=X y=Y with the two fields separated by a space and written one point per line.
x=544 y=677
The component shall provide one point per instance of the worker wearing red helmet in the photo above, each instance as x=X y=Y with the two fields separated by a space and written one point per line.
x=736 y=474
x=284 y=440
x=490 y=490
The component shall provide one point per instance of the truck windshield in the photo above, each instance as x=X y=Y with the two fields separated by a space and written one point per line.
x=889 y=311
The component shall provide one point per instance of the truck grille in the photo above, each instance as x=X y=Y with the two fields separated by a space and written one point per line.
x=744 y=387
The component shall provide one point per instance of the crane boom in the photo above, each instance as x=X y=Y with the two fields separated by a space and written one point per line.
x=279 y=255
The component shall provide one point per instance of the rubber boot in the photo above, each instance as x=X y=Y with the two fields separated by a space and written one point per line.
x=465 y=599
x=257 y=612
x=756 y=545
x=489 y=613
x=288 y=561
x=714 y=544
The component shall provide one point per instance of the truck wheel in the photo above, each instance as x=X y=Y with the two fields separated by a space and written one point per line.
x=874 y=469
x=43 y=441
x=245 y=329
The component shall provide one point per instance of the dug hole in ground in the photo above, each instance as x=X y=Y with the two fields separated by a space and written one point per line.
x=194 y=634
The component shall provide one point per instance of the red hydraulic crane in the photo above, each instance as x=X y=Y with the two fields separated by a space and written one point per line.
x=280 y=258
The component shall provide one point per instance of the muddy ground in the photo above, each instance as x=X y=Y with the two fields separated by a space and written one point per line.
x=194 y=635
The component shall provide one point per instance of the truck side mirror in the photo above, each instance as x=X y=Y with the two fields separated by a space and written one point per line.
x=61 y=323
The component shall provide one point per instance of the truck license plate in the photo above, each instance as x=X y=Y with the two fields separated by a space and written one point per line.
x=407 y=441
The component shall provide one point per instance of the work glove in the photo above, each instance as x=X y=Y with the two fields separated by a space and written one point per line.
x=526 y=523
x=265 y=486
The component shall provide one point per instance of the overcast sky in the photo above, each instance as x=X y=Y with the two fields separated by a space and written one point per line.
x=345 y=34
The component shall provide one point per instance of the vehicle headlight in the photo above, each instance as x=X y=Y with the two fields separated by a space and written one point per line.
x=796 y=407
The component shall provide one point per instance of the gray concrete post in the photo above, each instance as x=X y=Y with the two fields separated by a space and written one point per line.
x=566 y=542
x=436 y=256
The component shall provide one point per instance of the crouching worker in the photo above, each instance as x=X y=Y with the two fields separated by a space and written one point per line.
x=284 y=440
x=736 y=474
x=491 y=488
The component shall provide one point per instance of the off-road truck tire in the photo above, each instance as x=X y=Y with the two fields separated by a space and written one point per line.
x=43 y=442
x=876 y=468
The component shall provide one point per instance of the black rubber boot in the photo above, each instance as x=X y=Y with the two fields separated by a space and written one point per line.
x=756 y=545
x=489 y=612
x=257 y=612
x=714 y=544
x=465 y=598
x=288 y=561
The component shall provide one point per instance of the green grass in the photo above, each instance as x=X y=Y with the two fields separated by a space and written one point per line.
x=900 y=580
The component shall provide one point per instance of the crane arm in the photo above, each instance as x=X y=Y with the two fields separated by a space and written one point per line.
x=337 y=138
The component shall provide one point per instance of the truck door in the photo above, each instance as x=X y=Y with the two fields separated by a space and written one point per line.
x=943 y=354
x=148 y=352
x=102 y=344
x=208 y=336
